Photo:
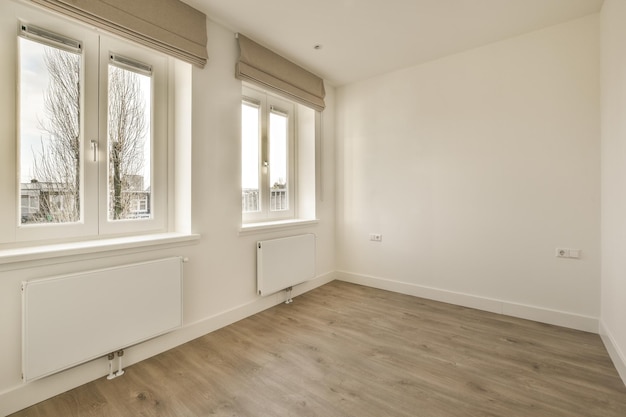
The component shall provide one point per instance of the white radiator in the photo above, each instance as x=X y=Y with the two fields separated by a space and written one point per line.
x=282 y=263
x=71 y=319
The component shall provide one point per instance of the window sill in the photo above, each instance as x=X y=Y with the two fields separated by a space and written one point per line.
x=250 y=228
x=32 y=253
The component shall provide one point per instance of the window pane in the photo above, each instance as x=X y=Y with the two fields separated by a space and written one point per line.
x=250 y=158
x=129 y=125
x=278 y=162
x=50 y=134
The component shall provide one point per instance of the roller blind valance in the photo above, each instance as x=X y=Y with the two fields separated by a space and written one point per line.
x=268 y=69
x=169 y=26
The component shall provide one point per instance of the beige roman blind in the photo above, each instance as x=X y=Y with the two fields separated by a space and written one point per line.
x=169 y=26
x=268 y=69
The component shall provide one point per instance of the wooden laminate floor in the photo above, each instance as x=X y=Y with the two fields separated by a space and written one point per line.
x=348 y=350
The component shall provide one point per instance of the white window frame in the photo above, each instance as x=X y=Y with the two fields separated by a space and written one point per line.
x=93 y=182
x=268 y=103
x=158 y=139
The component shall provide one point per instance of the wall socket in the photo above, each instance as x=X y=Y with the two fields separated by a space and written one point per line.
x=376 y=237
x=567 y=253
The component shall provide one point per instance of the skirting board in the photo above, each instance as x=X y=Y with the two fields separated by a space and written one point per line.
x=558 y=318
x=617 y=355
x=25 y=395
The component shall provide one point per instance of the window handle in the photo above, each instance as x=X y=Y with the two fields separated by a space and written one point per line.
x=266 y=164
x=94 y=147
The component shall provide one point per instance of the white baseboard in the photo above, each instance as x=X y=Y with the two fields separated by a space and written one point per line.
x=543 y=315
x=617 y=355
x=25 y=395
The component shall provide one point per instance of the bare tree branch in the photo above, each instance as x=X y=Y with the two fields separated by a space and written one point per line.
x=57 y=167
x=127 y=131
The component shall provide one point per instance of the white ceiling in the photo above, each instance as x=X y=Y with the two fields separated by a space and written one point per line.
x=363 y=38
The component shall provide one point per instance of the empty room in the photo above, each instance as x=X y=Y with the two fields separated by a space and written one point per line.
x=329 y=208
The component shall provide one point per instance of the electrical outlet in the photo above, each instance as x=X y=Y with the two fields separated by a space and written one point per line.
x=376 y=237
x=562 y=253
x=568 y=253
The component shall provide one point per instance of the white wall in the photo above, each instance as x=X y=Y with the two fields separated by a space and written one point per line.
x=475 y=168
x=220 y=278
x=613 y=79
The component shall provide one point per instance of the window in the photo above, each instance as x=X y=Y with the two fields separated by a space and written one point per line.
x=129 y=124
x=91 y=126
x=278 y=141
x=268 y=165
x=50 y=127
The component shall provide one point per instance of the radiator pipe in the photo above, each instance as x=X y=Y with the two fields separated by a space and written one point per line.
x=111 y=356
x=120 y=371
